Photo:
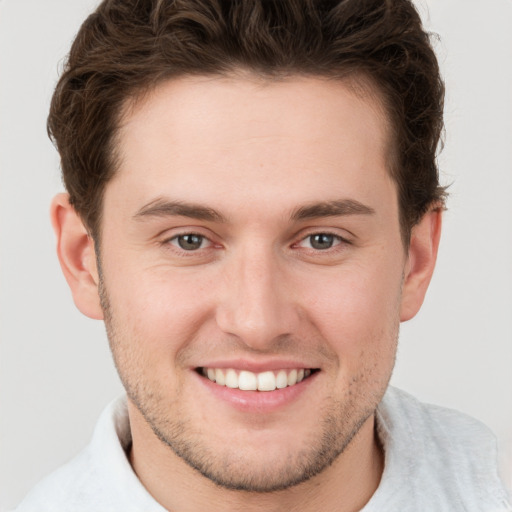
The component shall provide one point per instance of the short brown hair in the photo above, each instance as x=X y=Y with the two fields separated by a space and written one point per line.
x=129 y=46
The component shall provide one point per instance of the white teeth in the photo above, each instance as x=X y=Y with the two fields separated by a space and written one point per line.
x=231 y=379
x=249 y=381
x=266 y=381
x=281 y=380
x=292 y=378
x=219 y=377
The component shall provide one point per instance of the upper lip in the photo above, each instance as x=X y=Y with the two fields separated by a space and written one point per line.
x=257 y=366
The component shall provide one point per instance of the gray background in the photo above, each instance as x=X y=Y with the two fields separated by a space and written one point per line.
x=56 y=373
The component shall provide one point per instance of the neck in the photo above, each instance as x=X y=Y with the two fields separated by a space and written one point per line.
x=345 y=486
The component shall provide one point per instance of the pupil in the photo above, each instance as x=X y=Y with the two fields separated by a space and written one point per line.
x=322 y=241
x=190 y=242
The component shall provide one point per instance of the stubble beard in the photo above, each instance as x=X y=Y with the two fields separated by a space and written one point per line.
x=340 y=422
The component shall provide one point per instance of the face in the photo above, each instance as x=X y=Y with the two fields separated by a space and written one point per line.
x=252 y=268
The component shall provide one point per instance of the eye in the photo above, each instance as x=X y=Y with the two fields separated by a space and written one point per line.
x=190 y=241
x=321 y=241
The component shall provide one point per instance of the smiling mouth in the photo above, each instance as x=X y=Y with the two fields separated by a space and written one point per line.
x=249 y=381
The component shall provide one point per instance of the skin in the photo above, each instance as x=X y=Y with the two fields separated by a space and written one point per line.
x=256 y=292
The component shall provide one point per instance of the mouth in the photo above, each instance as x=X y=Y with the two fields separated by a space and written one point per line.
x=262 y=381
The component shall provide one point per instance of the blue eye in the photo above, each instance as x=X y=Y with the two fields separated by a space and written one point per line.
x=189 y=242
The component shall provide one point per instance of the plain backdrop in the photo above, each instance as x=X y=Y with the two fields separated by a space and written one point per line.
x=56 y=373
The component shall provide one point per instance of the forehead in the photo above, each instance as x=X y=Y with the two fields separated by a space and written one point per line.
x=215 y=137
x=251 y=105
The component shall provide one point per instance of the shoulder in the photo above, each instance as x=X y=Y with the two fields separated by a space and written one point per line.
x=99 y=478
x=439 y=454
x=400 y=412
x=64 y=487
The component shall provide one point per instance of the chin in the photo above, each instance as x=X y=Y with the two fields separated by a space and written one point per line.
x=272 y=460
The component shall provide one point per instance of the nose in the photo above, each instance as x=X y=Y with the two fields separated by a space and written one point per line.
x=257 y=304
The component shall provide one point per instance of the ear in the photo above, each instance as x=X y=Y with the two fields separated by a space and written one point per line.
x=75 y=249
x=421 y=261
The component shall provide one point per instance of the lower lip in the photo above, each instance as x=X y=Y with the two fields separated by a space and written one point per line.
x=258 y=401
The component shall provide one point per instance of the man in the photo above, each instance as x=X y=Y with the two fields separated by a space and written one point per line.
x=253 y=208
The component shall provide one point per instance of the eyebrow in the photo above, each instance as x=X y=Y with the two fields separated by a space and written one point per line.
x=161 y=207
x=164 y=208
x=331 y=209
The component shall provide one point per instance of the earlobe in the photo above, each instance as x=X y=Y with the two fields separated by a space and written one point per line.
x=75 y=249
x=422 y=257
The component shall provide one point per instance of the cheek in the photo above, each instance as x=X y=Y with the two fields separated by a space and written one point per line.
x=356 y=308
x=155 y=308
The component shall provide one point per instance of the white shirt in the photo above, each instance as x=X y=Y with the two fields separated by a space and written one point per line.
x=436 y=460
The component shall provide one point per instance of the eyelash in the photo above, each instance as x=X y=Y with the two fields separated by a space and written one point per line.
x=169 y=241
x=338 y=241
